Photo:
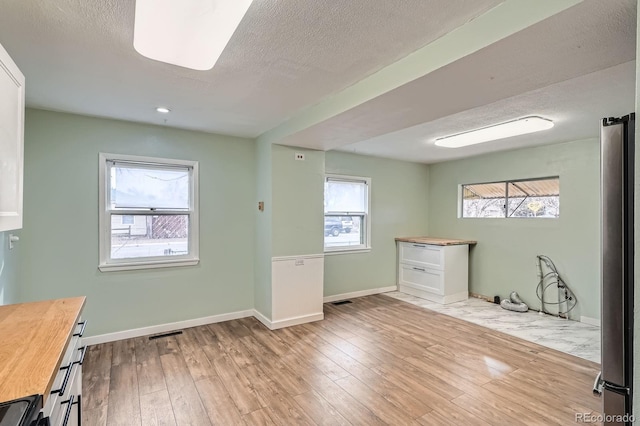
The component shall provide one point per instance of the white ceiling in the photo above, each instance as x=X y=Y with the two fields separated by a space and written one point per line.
x=78 y=57
x=591 y=36
x=576 y=107
x=574 y=67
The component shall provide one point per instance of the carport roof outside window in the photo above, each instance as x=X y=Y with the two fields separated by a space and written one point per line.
x=187 y=33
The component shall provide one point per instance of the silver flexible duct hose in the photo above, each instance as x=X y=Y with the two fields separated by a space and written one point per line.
x=514 y=303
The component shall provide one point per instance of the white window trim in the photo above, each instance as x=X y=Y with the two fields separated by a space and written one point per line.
x=331 y=251
x=107 y=264
x=363 y=248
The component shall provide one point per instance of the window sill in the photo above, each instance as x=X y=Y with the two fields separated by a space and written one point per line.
x=112 y=267
x=347 y=251
x=513 y=218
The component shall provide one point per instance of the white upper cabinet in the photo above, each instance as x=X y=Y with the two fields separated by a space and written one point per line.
x=11 y=142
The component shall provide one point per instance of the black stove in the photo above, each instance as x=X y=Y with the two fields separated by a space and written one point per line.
x=22 y=412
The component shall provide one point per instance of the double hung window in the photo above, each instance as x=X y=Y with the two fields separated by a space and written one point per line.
x=347 y=224
x=148 y=212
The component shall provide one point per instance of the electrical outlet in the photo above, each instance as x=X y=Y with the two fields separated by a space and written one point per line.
x=299 y=156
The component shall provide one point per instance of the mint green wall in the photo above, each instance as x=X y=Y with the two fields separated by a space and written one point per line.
x=504 y=259
x=60 y=235
x=298 y=199
x=237 y=242
x=9 y=285
x=263 y=250
x=399 y=206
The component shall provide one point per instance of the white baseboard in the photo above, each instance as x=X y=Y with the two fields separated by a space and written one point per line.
x=590 y=321
x=359 y=293
x=162 y=328
x=295 y=321
x=274 y=325
x=262 y=318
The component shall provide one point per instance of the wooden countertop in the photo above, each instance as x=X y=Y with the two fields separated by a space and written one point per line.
x=436 y=241
x=33 y=340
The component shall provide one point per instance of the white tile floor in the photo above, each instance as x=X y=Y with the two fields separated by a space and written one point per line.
x=572 y=337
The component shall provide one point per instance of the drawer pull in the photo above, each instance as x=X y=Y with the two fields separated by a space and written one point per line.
x=419 y=245
x=84 y=352
x=81 y=333
x=67 y=413
x=79 y=410
x=418 y=269
x=66 y=379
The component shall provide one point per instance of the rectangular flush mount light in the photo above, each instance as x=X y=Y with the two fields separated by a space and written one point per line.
x=517 y=127
x=188 y=33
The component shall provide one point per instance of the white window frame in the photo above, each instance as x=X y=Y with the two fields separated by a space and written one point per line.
x=104 y=221
x=366 y=245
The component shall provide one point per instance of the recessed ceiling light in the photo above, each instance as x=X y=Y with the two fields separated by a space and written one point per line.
x=163 y=110
x=521 y=126
x=187 y=33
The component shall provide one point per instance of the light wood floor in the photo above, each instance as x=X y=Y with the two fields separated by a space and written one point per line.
x=374 y=361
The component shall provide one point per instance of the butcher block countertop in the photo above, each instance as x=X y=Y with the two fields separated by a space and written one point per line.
x=434 y=241
x=33 y=339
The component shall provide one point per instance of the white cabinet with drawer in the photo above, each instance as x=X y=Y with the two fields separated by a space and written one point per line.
x=439 y=273
x=423 y=255
x=64 y=404
x=12 y=95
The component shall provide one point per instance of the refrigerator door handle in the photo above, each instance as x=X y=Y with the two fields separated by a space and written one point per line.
x=616 y=388
x=598 y=384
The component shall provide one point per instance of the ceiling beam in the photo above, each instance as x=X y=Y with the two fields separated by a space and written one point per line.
x=498 y=23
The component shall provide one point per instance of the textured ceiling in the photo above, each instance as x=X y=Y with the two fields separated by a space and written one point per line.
x=576 y=106
x=287 y=54
x=574 y=67
x=583 y=39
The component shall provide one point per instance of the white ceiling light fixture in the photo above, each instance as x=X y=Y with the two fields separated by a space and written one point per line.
x=521 y=126
x=187 y=33
x=163 y=110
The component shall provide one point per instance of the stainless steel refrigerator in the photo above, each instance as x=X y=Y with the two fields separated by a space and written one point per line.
x=617 y=140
